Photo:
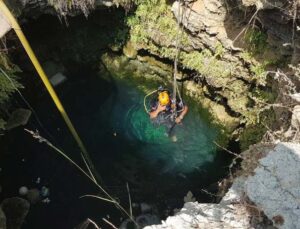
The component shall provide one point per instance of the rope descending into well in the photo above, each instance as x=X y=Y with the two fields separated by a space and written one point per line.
x=175 y=85
x=178 y=39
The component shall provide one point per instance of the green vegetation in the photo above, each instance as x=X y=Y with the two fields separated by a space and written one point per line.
x=254 y=133
x=256 y=40
x=153 y=23
x=154 y=18
x=260 y=55
x=7 y=88
x=206 y=63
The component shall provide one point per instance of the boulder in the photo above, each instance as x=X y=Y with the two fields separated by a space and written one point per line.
x=275 y=187
x=33 y=196
x=4 y=26
x=55 y=72
x=15 y=209
x=19 y=117
x=129 y=50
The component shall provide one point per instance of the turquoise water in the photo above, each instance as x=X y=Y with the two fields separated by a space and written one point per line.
x=194 y=145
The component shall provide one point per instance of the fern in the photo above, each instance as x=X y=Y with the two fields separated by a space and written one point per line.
x=7 y=86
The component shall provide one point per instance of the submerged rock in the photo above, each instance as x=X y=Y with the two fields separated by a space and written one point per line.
x=23 y=190
x=55 y=72
x=15 y=209
x=142 y=220
x=2 y=219
x=19 y=117
x=33 y=196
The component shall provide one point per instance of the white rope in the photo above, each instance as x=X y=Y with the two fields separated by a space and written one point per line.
x=179 y=35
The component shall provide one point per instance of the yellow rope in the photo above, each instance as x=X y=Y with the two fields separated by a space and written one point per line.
x=14 y=24
x=145 y=106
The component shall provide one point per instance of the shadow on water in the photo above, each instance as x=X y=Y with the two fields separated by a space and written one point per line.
x=124 y=145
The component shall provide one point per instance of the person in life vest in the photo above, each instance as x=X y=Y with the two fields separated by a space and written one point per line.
x=164 y=112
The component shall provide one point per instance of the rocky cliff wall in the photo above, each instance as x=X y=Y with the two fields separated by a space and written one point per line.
x=229 y=46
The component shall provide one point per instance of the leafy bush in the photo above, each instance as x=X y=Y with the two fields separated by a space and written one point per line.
x=257 y=40
x=7 y=86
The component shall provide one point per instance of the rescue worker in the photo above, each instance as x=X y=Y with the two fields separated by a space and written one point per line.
x=162 y=111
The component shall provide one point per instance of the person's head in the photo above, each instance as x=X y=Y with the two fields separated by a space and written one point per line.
x=164 y=98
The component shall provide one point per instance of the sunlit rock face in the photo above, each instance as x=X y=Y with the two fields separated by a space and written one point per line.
x=222 y=215
x=273 y=187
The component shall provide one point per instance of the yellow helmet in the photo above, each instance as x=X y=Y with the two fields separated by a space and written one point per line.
x=163 y=98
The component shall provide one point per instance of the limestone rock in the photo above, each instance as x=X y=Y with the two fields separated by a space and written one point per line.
x=196 y=215
x=189 y=197
x=52 y=67
x=263 y=4
x=58 y=79
x=275 y=187
x=296 y=97
x=218 y=111
x=4 y=26
x=129 y=50
x=15 y=209
x=204 y=15
x=295 y=122
x=55 y=72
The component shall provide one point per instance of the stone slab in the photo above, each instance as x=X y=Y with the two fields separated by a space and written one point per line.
x=4 y=25
x=275 y=187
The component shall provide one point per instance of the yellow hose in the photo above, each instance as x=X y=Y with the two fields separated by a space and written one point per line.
x=14 y=24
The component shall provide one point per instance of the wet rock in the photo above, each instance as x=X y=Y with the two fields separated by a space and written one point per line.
x=19 y=117
x=142 y=220
x=33 y=196
x=23 y=191
x=218 y=111
x=145 y=208
x=57 y=79
x=129 y=50
x=45 y=192
x=147 y=219
x=189 y=197
x=55 y=72
x=15 y=209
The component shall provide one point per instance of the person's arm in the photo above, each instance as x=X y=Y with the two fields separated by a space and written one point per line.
x=154 y=114
x=182 y=114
